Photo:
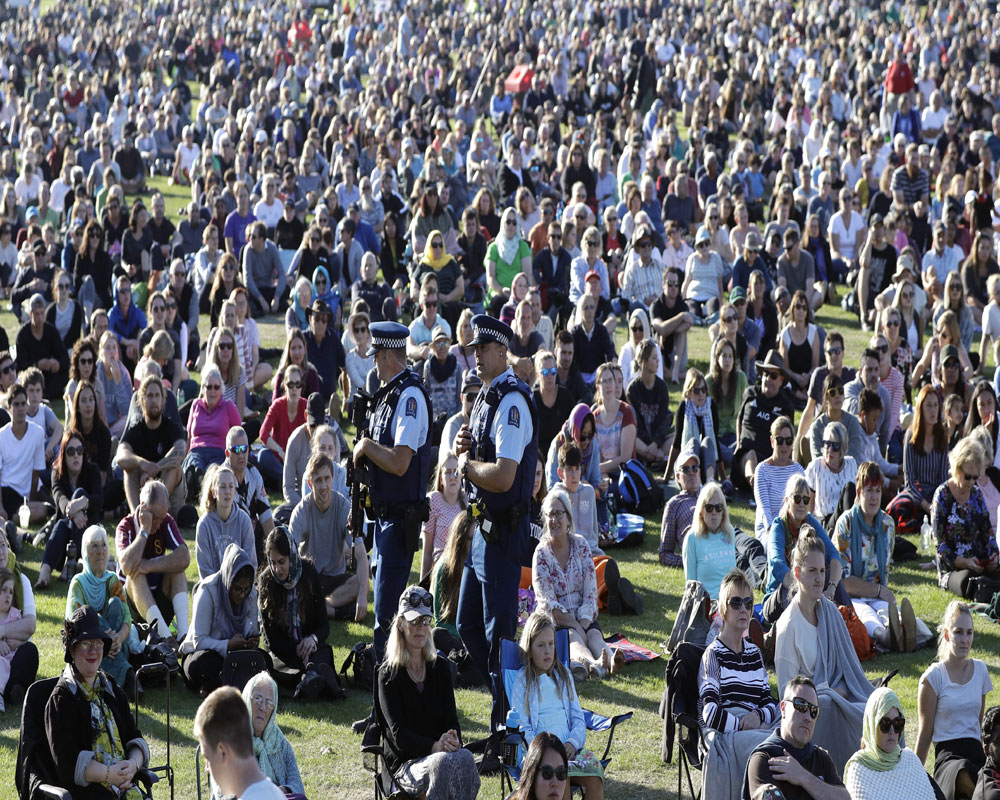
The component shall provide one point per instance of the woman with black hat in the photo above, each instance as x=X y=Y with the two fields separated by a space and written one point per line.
x=95 y=744
x=761 y=406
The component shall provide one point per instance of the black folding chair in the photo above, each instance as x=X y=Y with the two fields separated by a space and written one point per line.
x=36 y=777
x=679 y=709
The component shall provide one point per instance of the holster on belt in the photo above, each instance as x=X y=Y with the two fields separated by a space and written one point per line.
x=412 y=515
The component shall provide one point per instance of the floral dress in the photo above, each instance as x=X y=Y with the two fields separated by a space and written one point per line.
x=573 y=590
x=960 y=530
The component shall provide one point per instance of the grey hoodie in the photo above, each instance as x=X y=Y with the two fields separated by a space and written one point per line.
x=214 y=621
x=214 y=534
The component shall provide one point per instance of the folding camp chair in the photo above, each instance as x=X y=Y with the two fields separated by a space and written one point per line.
x=510 y=666
x=679 y=709
x=35 y=777
x=373 y=751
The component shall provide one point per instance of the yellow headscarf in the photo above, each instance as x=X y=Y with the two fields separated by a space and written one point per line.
x=428 y=258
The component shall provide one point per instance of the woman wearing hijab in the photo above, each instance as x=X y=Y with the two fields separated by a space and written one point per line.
x=101 y=589
x=580 y=429
x=507 y=255
x=273 y=751
x=324 y=290
x=224 y=619
x=302 y=297
x=294 y=620
x=883 y=767
x=451 y=283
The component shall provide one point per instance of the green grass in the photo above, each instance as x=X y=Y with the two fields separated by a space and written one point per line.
x=326 y=748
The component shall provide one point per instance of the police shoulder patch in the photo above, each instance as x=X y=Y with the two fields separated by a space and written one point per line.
x=514 y=417
x=411 y=407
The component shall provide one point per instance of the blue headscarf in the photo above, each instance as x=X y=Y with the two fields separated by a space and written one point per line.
x=95 y=587
x=300 y=312
x=330 y=296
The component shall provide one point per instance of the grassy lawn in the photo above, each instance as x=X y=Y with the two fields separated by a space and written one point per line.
x=326 y=748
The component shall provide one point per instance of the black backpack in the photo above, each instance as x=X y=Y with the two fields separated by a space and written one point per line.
x=361 y=662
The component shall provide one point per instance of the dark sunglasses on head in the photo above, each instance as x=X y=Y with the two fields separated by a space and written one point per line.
x=804 y=706
x=897 y=724
x=547 y=771
x=736 y=603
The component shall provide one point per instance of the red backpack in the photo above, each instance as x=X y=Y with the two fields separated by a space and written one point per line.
x=864 y=645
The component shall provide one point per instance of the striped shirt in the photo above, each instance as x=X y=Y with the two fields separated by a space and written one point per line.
x=923 y=472
x=677 y=516
x=640 y=282
x=912 y=188
x=895 y=384
x=731 y=685
x=769 y=492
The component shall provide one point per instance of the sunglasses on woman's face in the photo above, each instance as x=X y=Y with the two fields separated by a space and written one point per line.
x=74 y=451
x=547 y=771
x=885 y=724
x=225 y=345
x=714 y=508
x=549 y=371
x=736 y=603
x=801 y=499
x=699 y=390
x=294 y=384
x=835 y=391
x=358 y=329
x=834 y=446
x=783 y=441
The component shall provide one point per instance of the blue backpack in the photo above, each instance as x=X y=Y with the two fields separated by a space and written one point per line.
x=638 y=493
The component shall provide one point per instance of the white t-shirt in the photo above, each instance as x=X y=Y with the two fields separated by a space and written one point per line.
x=847 y=235
x=18 y=457
x=933 y=120
x=262 y=790
x=958 y=705
x=269 y=214
x=991 y=320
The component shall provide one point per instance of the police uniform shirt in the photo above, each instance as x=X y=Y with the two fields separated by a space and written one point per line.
x=411 y=423
x=512 y=430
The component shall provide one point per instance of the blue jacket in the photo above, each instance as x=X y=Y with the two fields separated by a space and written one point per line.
x=777 y=566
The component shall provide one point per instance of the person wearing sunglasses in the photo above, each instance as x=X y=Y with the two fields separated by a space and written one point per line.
x=951 y=697
x=787 y=764
x=554 y=402
x=417 y=700
x=734 y=693
x=284 y=415
x=812 y=639
x=702 y=288
x=419 y=347
x=709 y=550
x=967 y=554
x=831 y=409
x=451 y=283
x=884 y=765
x=545 y=769
x=831 y=472
x=781 y=537
x=679 y=510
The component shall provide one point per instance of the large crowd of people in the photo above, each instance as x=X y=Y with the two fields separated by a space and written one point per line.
x=509 y=232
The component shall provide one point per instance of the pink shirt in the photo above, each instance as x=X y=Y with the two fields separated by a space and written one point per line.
x=209 y=428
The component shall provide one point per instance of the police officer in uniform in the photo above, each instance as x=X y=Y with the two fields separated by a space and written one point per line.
x=496 y=452
x=398 y=450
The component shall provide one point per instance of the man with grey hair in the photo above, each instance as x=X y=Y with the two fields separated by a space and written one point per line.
x=152 y=558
